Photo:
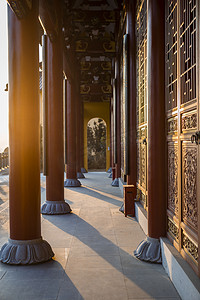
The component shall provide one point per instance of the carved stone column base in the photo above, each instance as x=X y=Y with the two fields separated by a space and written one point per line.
x=55 y=208
x=149 y=250
x=109 y=170
x=83 y=170
x=72 y=183
x=26 y=252
x=110 y=175
x=115 y=182
x=80 y=175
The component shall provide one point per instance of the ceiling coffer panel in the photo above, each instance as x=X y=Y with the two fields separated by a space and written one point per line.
x=89 y=31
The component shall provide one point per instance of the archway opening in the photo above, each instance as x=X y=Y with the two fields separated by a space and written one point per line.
x=96 y=144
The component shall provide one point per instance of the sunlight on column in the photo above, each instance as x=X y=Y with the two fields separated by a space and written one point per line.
x=3 y=77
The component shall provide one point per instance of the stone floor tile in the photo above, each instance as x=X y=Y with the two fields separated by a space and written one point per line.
x=87 y=231
x=58 y=263
x=49 y=229
x=12 y=289
x=95 y=240
x=93 y=252
x=152 y=298
x=3 y=238
x=130 y=240
x=102 y=250
x=96 y=223
x=60 y=221
x=131 y=264
x=2 y=273
x=57 y=239
x=93 y=262
x=27 y=274
x=96 y=219
x=123 y=222
x=147 y=284
x=69 y=293
x=95 y=211
x=95 y=284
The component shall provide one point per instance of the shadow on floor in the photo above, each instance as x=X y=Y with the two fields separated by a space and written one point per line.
x=91 y=191
x=106 y=249
x=145 y=277
x=41 y=281
x=3 y=192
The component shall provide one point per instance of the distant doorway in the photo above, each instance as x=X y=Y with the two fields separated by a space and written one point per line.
x=96 y=144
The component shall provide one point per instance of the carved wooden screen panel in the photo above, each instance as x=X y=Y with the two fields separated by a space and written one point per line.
x=123 y=50
x=125 y=101
x=142 y=102
x=182 y=119
x=115 y=120
x=122 y=116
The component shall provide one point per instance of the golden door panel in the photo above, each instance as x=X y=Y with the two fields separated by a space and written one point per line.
x=142 y=102
x=189 y=184
x=173 y=230
x=122 y=116
x=190 y=247
x=187 y=31
x=171 y=54
x=189 y=121
x=173 y=177
x=143 y=167
x=182 y=113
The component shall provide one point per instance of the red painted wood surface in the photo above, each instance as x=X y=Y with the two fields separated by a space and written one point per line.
x=156 y=119
x=55 y=177
x=71 y=132
x=78 y=133
x=81 y=135
x=118 y=166
x=24 y=126
x=131 y=15
x=129 y=197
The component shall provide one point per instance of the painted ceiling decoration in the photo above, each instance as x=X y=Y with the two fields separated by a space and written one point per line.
x=89 y=29
x=95 y=89
x=94 y=4
x=20 y=7
x=95 y=98
x=89 y=37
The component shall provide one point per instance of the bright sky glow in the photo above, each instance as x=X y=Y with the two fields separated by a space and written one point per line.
x=3 y=76
x=4 y=134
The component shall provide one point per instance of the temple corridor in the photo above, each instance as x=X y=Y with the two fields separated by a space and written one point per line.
x=135 y=65
x=93 y=249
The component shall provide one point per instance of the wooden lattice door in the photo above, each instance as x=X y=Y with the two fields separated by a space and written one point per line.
x=182 y=113
x=142 y=102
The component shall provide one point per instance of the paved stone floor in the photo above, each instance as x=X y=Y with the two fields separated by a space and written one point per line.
x=93 y=251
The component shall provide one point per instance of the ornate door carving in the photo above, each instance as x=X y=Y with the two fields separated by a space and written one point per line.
x=182 y=113
x=142 y=102
x=124 y=108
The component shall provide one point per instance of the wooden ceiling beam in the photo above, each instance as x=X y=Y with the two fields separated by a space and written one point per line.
x=47 y=18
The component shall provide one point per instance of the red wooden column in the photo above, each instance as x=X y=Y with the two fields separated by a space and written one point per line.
x=25 y=245
x=112 y=162
x=115 y=182
x=78 y=136
x=111 y=156
x=83 y=170
x=55 y=203
x=131 y=15
x=71 y=172
x=118 y=171
x=110 y=169
x=149 y=250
